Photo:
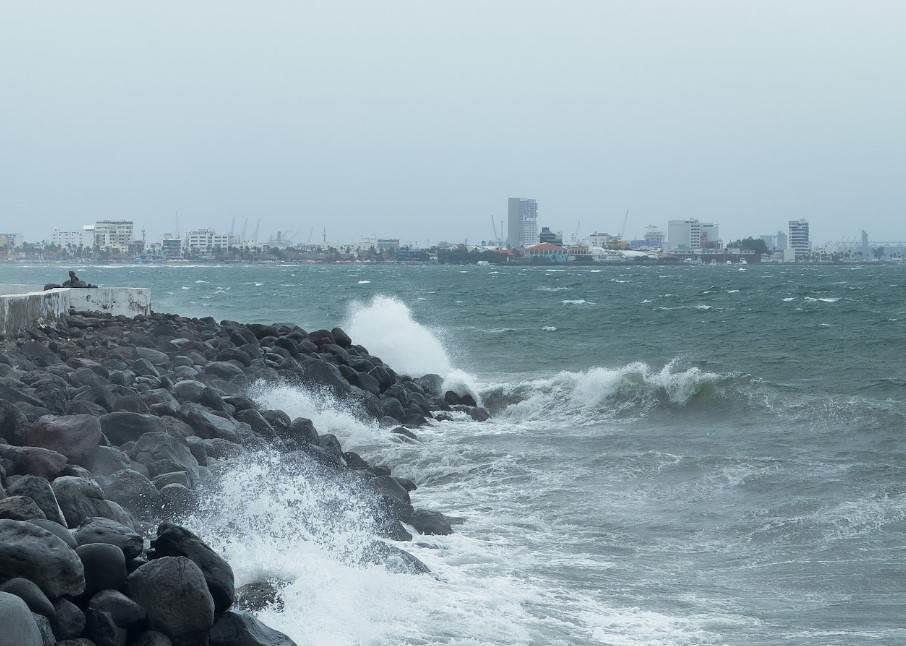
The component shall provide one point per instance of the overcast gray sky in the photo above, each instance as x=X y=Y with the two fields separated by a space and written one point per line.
x=417 y=119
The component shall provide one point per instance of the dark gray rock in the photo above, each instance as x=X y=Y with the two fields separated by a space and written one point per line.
x=176 y=427
x=388 y=487
x=40 y=491
x=24 y=460
x=80 y=499
x=301 y=429
x=19 y=627
x=104 y=566
x=155 y=357
x=257 y=596
x=31 y=552
x=13 y=423
x=208 y=425
x=259 y=425
x=331 y=446
x=104 y=530
x=173 y=477
x=224 y=370
x=102 y=630
x=394 y=559
x=173 y=540
x=124 y=611
x=132 y=490
x=324 y=375
x=173 y=591
x=430 y=522
x=56 y=529
x=175 y=499
x=242 y=629
x=152 y=638
x=68 y=621
x=20 y=508
x=31 y=594
x=106 y=460
x=155 y=447
x=122 y=427
x=432 y=384
x=188 y=390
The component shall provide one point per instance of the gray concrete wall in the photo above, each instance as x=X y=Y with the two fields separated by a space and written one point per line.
x=23 y=306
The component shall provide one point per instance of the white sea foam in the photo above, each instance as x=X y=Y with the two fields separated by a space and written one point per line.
x=549 y=328
x=364 y=282
x=577 y=301
x=386 y=327
x=789 y=298
x=545 y=288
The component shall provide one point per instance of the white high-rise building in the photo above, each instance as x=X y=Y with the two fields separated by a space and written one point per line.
x=522 y=222
x=65 y=239
x=113 y=234
x=654 y=237
x=799 y=238
x=692 y=235
x=206 y=240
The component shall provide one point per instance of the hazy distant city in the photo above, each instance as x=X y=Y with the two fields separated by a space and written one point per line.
x=519 y=238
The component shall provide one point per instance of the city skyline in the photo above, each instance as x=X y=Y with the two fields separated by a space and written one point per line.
x=415 y=127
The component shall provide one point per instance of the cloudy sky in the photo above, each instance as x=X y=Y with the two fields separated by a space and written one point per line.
x=416 y=119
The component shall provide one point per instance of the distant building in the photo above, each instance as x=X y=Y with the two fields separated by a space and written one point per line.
x=388 y=244
x=66 y=239
x=113 y=234
x=547 y=235
x=692 y=235
x=522 y=222
x=780 y=244
x=799 y=238
x=136 y=247
x=9 y=240
x=171 y=246
x=206 y=241
x=654 y=237
x=88 y=239
x=547 y=252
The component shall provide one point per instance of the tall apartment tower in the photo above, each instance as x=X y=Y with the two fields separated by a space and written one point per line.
x=522 y=222
x=798 y=238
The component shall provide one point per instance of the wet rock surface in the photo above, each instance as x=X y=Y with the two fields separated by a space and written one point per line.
x=112 y=427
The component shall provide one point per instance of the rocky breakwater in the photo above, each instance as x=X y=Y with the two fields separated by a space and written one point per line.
x=111 y=429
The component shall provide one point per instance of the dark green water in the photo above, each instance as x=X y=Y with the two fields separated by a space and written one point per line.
x=678 y=455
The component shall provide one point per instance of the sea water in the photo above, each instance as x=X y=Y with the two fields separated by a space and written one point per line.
x=677 y=455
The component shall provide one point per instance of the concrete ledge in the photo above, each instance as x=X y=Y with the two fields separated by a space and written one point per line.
x=24 y=306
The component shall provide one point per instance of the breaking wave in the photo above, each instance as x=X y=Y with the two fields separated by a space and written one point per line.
x=601 y=391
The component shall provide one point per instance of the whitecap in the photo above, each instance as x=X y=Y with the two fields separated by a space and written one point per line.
x=577 y=301
x=551 y=328
x=789 y=298
x=364 y=282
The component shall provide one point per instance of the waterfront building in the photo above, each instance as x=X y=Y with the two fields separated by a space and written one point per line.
x=113 y=234
x=522 y=222
x=547 y=235
x=654 y=237
x=9 y=240
x=66 y=239
x=799 y=238
x=388 y=244
x=171 y=246
x=692 y=235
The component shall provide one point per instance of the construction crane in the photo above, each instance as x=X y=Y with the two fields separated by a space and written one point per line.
x=245 y=226
x=496 y=235
x=257 y=226
x=232 y=230
x=623 y=228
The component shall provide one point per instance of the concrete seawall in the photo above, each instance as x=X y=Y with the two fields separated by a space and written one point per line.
x=25 y=306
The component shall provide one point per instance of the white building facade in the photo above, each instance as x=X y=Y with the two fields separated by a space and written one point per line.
x=113 y=234
x=522 y=222
x=798 y=239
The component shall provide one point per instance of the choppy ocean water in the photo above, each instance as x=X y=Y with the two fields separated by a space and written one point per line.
x=678 y=455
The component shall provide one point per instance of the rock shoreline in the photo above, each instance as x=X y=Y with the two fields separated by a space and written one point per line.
x=111 y=429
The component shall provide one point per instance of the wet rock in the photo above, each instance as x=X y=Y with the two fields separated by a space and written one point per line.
x=303 y=430
x=19 y=627
x=31 y=552
x=479 y=414
x=430 y=522
x=388 y=487
x=81 y=499
x=208 y=425
x=104 y=566
x=259 y=425
x=56 y=529
x=68 y=621
x=152 y=638
x=340 y=337
x=331 y=446
x=394 y=559
x=354 y=460
x=324 y=374
x=432 y=384
x=188 y=390
x=24 y=460
x=13 y=423
x=174 y=477
x=224 y=370
x=257 y=596
x=132 y=490
x=102 y=630
x=122 y=427
x=242 y=629
x=110 y=532
x=31 y=594
x=404 y=432
x=156 y=447
x=175 y=499
x=20 y=508
x=40 y=491
x=173 y=592
x=124 y=611
x=155 y=357
x=173 y=540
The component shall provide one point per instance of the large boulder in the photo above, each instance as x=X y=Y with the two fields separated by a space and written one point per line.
x=80 y=499
x=20 y=508
x=131 y=489
x=104 y=530
x=31 y=594
x=173 y=591
x=104 y=566
x=322 y=374
x=69 y=620
x=242 y=629
x=123 y=426
x=224 y=370
x=155 y=448
x=13 y=423
x=123 y=610
x=31 y=552
x=19 y=626
x=173 y=540
x=208 y=425
x=430 y=522
x=24 y=460
x=40 y=491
